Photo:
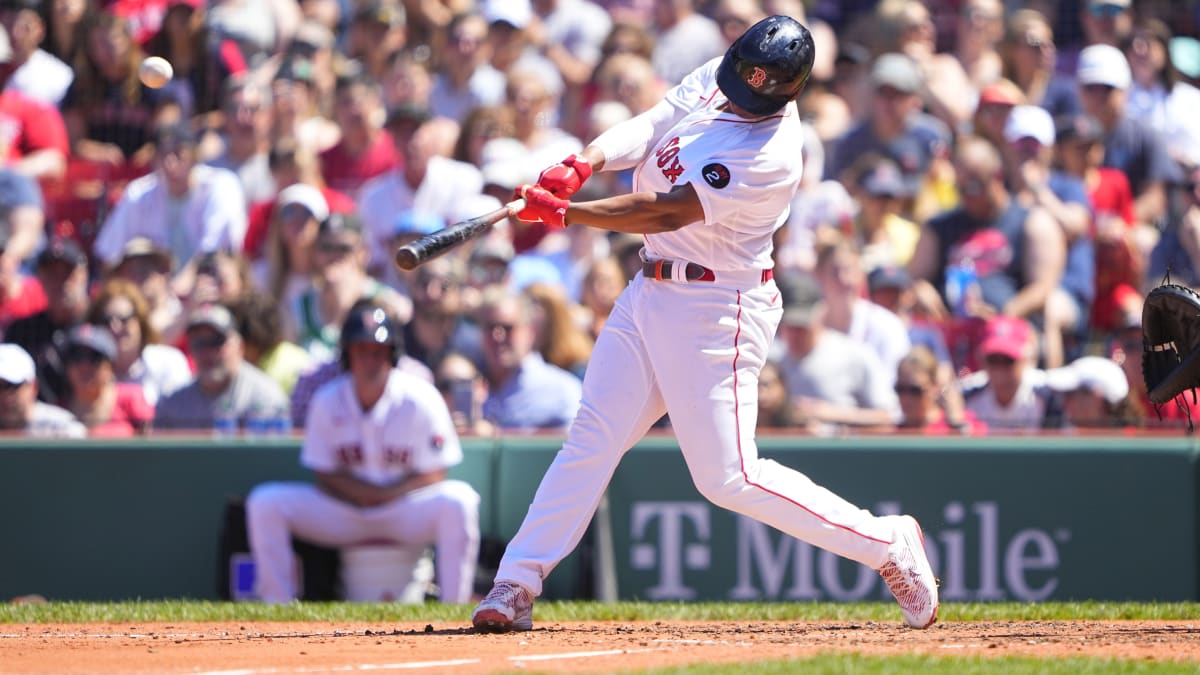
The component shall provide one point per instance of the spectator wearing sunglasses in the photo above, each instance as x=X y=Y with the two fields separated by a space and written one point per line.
x=1106 y=22
x=1008 y=393
x=525 y=392
x=929 y=403
x=105 y=406
x=225 y=385
x=141 y=357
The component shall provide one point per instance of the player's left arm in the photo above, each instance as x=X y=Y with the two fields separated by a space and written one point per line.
x=353 y=490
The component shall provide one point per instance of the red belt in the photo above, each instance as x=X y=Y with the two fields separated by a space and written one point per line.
x=661 y=270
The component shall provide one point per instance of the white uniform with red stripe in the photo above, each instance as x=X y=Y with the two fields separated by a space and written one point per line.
x=694 y=349
x=408 y=431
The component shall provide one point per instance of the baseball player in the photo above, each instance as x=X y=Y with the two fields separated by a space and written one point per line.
x=379 y=441
x=717 y=163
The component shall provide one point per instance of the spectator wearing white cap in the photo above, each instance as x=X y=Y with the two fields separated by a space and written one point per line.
x=20 y=411
x=1137 y=150
x=286 y=266
x=1028 y=156
x=1095 y=393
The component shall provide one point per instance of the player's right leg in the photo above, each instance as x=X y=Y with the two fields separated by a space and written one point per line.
x=620 y=403
x=277 y=511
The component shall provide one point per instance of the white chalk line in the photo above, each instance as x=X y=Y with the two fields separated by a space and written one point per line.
x=413 y=665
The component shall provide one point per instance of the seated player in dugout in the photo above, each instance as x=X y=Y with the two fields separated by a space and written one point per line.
x=715 y=168
x=380 y=442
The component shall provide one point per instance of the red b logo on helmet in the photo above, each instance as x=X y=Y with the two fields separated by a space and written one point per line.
x=757 y=77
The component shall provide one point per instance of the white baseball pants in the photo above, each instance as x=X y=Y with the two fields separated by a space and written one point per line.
x=694 y=351
x=444 y=515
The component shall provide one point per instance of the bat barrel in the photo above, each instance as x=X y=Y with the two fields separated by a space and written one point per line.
x=412 y=254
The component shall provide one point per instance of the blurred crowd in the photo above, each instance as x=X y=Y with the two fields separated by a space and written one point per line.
x=990 y=188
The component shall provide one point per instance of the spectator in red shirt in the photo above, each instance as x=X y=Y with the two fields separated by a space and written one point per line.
x=365 y=149
x=20 y=295
x=106 y=407
x=33 y=138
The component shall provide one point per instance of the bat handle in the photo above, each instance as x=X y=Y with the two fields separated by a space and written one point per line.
x=515 y=206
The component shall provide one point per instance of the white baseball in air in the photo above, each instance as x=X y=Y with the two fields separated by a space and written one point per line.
x=155 y=72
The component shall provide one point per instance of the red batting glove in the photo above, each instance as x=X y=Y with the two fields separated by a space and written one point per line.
x=565 y=178
x=541 y=206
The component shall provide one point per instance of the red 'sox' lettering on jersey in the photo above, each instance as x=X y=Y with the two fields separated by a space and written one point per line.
x=399 y=456
x=350 y=455
x=668 y=160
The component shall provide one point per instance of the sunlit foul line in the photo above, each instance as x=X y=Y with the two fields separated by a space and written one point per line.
x=581 y=655
x=361 y=667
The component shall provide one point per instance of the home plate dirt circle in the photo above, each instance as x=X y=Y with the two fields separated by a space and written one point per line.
x=249 y=648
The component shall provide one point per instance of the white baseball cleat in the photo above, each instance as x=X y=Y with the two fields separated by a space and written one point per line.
x=507 y=607
x=908 y=574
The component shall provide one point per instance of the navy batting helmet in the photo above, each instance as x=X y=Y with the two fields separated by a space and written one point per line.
x=367 y=321
x=767 y=66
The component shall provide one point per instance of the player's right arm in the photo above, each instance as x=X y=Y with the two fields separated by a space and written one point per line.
x=348 y=488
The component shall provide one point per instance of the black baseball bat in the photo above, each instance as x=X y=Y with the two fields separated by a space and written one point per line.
x=430 y=246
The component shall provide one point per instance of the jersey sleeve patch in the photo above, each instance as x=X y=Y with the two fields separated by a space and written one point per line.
x=716 y=175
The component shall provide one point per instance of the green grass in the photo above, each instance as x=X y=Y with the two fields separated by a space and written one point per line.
x=184 y=610
x=852 y=664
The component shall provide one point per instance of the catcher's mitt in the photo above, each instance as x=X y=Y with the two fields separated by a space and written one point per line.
x=1171 y=342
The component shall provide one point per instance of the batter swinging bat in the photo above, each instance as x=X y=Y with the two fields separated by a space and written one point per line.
x=432 y=245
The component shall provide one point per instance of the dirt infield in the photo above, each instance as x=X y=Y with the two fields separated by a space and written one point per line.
x=270 y=648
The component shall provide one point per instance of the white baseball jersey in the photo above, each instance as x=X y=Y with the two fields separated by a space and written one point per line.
x=745 y=172
x=409 y=430
x=694 y=349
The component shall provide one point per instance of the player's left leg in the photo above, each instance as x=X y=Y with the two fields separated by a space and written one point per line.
x=277 y=511
x=712 y=398
x=620 y=402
